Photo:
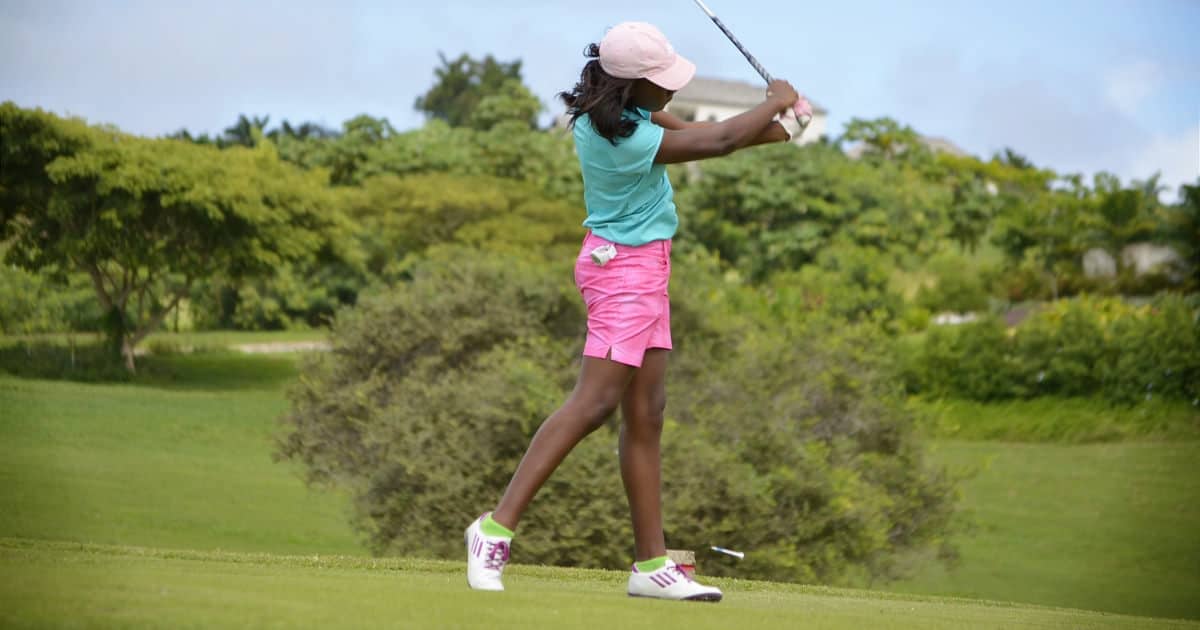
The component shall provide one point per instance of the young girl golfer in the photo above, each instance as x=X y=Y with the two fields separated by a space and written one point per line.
x=624 y=139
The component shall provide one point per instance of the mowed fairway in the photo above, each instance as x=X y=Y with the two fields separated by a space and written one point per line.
x=158 y=504
x=1111 y=527
x=46 y=584
x=183 y=461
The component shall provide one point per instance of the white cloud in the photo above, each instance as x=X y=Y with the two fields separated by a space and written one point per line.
x=1177 y=157
x=1128 y=85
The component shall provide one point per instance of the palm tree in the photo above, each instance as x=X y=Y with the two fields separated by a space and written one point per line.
x=1180 y=229
x=245 y=131
x=1123 y=216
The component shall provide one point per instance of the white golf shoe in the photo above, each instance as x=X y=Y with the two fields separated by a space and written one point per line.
x=670 y=582
x=486 y=557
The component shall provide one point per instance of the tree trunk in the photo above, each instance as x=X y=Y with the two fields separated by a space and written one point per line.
x=133 y=338
x=127 y=353
x=115 y=334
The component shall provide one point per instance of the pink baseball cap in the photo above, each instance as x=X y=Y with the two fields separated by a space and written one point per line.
x=637 y=50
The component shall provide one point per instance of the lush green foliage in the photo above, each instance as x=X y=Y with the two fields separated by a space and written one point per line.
x=956 y=286
x=430 y=397
x=1081 y=347
x=33 y=303
x=773 y=210
x=367 y=149
x=145 y=219
x=778 y=208
x=468 y=91
x=400 y=218
x=803 y=422
x=1181 y=228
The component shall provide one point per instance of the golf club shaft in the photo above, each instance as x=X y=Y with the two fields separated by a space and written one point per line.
x=762 y=72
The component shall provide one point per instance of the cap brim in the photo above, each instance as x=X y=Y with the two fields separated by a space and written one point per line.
x=674 y=77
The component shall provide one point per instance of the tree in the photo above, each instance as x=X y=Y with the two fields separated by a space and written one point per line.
x=886 y=139
x=303 y=131
x=146 y=218
x=1046 y=232
x=1180 y=228
x=399 y=218
x=971 y=212
x=776 y=208
x=347 y=155
x=1010 y=157
x=44 y=302
x=246 y=132
x=462 y=84
x=1121 y=216
x=512 y=103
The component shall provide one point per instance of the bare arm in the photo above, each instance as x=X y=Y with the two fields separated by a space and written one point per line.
x=667 y=120
x=685 y=142
x=773 y=132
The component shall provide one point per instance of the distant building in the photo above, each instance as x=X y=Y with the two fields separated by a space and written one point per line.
x=937 y=145
x=1141 y=258
x=706 y=99
x=942 y=145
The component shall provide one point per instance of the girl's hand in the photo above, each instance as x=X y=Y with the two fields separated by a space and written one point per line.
x=782 y=93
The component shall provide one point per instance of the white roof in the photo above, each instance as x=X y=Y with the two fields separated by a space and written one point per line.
x=726 y=92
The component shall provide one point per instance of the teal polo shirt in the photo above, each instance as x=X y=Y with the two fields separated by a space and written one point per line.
x=629 y=198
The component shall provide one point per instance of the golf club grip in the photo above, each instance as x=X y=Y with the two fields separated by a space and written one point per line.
x=762 y=72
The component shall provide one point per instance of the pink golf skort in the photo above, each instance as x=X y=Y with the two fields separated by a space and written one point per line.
x=628 y=306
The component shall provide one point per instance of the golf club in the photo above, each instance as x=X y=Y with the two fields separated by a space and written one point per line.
x=804 y=117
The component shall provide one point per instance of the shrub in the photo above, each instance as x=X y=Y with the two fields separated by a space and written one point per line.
x=1153 y=352
x=803 y=452
x=434 y=389
x=958 y=287
x=36 y=303
x=969 y=360
x=1080 y=347
x=86 y=362
x=847 y=282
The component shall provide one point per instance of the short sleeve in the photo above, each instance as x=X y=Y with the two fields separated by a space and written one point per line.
x=635 y=154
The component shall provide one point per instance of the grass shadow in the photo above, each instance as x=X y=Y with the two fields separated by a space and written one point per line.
x=221 y=370
x=211 y=369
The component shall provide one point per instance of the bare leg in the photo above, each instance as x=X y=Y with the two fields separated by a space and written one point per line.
x=597 y=394
x=641 y=467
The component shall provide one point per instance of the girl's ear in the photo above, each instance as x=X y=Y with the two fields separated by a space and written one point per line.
x=639 y=95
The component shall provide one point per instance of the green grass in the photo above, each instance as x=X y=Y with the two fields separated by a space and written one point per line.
x=202 y=339
x=215 y=338
x=53 y=585
x=1060 y=420
x=1112 y=527
x=180 y=459
x=183 y=461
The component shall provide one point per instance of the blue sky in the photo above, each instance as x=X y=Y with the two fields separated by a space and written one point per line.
x=1078 y=86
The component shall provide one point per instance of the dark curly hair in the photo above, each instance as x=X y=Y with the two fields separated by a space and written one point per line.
x=603 y=97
